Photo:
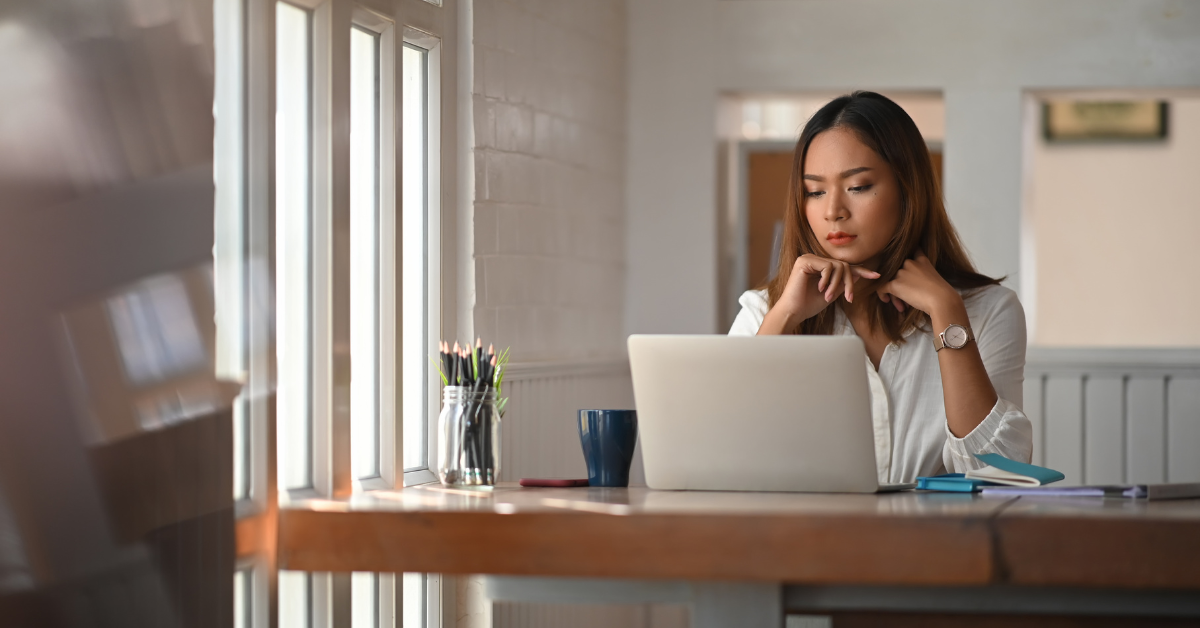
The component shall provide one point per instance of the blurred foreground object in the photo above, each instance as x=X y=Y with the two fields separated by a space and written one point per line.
x=140 y=359
x=154 y=416
x=106 y=192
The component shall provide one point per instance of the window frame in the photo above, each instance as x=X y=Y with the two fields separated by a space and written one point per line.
x=245 y=146
x=434 y=225
x=390 y=439
x=318 y=416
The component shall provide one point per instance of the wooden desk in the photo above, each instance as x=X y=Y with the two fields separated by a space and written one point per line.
x=931 y=540
x=902 y=538
x=1113 y=543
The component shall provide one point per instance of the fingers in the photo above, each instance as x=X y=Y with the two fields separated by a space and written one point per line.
x=885 y=294
x=834 y=276
x=837 y=273
x=842 y=277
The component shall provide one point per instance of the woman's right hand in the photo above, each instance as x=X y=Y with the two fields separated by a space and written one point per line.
x=815 y=282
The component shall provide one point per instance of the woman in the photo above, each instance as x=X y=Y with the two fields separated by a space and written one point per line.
x=869 y=250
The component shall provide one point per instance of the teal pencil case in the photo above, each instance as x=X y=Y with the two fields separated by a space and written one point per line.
x=951 y=483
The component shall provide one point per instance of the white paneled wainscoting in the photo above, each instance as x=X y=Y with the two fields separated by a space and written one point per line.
x=1110 y=416
x=540 y=434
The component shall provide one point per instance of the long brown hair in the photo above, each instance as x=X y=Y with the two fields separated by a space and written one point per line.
x=884 y=127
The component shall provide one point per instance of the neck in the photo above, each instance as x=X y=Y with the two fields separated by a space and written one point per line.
x=856 y=311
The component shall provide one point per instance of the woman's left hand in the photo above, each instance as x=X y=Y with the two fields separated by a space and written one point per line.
x=918 y=284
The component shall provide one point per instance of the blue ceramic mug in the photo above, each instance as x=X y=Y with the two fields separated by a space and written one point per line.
x=608 y=438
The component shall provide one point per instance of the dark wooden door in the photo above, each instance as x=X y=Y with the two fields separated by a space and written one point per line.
x=767 y=176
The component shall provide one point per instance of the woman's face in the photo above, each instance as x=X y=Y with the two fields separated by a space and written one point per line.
x=852 y=199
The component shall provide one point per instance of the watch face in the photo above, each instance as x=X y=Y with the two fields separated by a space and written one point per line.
x=955 y=337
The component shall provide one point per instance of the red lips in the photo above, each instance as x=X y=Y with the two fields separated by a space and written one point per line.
x=839 y=238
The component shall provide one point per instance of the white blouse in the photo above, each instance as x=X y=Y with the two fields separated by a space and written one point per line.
x=911 y=435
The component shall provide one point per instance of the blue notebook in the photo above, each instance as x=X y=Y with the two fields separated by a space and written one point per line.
x=1000 y=470
x=951 y=483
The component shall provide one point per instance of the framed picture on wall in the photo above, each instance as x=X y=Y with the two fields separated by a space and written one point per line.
x=1101 y=121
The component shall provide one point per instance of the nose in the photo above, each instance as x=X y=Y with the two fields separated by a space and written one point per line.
x=836 y=209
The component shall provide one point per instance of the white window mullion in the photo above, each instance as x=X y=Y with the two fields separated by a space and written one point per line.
x=391 y=436
x=253 y=24
x=331 y=267
x=331 y=283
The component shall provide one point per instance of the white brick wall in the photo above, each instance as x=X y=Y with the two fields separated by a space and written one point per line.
x=549 y=108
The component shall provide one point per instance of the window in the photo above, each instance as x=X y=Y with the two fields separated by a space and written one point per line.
x=330 y=273
x=229 y=267
x=371 y=278
x=242 y=596
x=295 y=599
x=364 y=610
x=364 y=253
x=416 y=600
x=415 y=209
x=293 y=249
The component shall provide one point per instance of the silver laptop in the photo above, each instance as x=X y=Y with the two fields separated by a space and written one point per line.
x=777 y=413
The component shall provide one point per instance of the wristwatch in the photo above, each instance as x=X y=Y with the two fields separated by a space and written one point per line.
x=954 y=337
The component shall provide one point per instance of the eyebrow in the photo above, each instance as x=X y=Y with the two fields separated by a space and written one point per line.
x=847 y=173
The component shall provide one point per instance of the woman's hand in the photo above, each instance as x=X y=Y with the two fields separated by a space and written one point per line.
x=815 y=282
x=918 y=284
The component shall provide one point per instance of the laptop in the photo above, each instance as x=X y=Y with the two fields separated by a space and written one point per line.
x=758 y=413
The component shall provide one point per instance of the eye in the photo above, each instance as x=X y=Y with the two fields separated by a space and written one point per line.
x=814 y=194
x=861 y=188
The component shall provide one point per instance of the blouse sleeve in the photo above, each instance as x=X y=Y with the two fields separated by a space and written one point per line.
x=998 y=322
x=754 y=309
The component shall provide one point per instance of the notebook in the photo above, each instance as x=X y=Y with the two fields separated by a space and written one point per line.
x=951 y=483
x=1000 y=471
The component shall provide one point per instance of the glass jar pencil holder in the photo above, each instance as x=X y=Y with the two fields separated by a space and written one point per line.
x=469 y=437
